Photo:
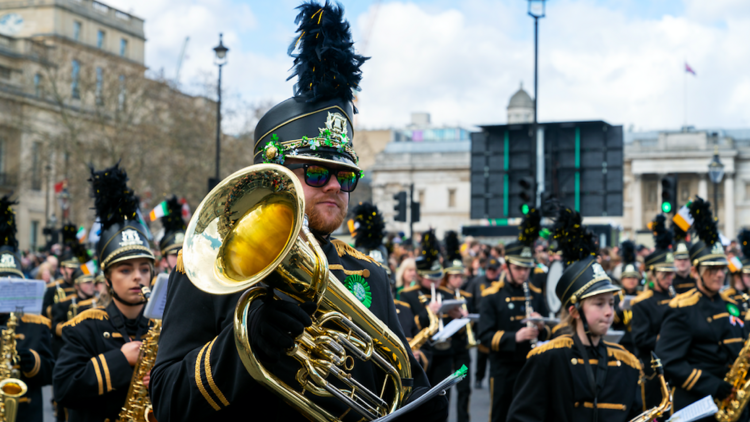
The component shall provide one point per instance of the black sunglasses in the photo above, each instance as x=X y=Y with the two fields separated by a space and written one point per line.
x=318 y=176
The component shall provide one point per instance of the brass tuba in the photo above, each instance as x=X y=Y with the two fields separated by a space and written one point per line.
x=730 y=409
x=11 y=387
x=251 y=228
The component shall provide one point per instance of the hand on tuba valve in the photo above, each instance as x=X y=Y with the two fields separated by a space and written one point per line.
x=276 y=324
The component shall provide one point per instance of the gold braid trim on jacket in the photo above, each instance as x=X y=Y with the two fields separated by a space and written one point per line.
x=36 y=319
x=97 y=313
x=343 y=249
x=179 y=267
x=563 y=342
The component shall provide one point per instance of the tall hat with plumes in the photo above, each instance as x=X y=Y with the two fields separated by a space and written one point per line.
x=744 y=239
x=316 y=124
x=679 y=245
x=68 y=258
x=521 y=251
x=174 y=228
x=707 y=249
x=10 y=260
x=453 y=262
x=629 y=263
x=662 y=258
x=583 y=277
x=369 y=230
x=428 y=261
x=122 y=235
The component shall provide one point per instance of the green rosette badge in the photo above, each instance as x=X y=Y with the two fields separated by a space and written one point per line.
x=359 y=288
x=733 y=310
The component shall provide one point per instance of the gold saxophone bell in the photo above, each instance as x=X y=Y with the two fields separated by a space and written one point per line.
x=731 y=408
x=666 y=396
x=251 y=228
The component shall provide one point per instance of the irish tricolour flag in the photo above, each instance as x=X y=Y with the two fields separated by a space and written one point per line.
x=683 y=218
x=735 y=264
x=89 y=268
x=81 y=234
x=160 y=211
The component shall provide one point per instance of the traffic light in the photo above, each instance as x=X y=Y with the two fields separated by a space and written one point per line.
x=400 y=207
x=415 y=212
x=668 y=194
x=527 y=193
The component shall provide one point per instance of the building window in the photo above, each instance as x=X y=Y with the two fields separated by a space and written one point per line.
x=121 y=95
x=99 y=83
x=100 y=39
x=2 y=161
x=36 y=170
x=420 y=195
x=38 y=85
x=4 y=72
x=77 y=30
x=34 y=235
x=451 y=198
x=123 y=47
x=74 y=73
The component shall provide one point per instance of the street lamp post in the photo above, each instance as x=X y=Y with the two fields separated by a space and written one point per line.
x=220 y=60
x=716 y=173
x=537 y=11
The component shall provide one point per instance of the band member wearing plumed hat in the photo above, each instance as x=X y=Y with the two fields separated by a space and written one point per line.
x=95 y=366
x=702 y=333
x=170 y=244
x=72 y=305
x=739 y=289
x=199 y=373
x=683 y=281
x=35 y=360
x=503 y=307
x=369 y=232
x=63 y=287
x=630 y=281
x=649 y=307
x=579 y=376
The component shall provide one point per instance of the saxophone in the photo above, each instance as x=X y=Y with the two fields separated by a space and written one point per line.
x=730 y=409
x=73 y=309
x=471 y=340
x=11 y=387
x=423 y=336
x=137 y=406
x=666 y=396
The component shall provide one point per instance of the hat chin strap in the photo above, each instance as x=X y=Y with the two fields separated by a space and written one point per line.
x=579 y=308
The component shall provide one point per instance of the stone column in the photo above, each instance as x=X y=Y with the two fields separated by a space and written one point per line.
x=703 y=187
x=637 y=203
x=729 y=228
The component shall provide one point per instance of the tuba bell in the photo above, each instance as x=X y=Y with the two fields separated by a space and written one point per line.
x=252 y=229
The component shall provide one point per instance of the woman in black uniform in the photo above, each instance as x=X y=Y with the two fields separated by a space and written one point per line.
x=579 y=376
x=101 y=347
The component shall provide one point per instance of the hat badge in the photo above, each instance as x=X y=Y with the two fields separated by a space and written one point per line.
x=598 y=270
x=130 y=237
x=717 y=249
x=669 y=258
x=526 y=252
x=335 y=127
x=7 y=261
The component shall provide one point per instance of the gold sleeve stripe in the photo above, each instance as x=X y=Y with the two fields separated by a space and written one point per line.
x=338 y=267
x=103 y=360
x=721 y=315
x=211 y=383
x=733 y=340
x=698 y=375
x=687 y=381
x=37 y=365
x=98 y=375
x=496 y=340
x=609 y=406
x=199 y=382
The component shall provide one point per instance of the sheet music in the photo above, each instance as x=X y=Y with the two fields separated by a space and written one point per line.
x=698 y=410
x=157 y=302
x=21 y=293
x=450 y=329
x=450 y=304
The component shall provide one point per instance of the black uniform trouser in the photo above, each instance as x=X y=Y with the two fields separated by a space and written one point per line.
x=464 y=387
x=481 y=366
x=440 y=368
x=502 y=378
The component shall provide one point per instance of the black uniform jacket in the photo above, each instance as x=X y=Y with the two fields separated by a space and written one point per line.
x=683 y=284
x=199 y=375
x=60 y=317
x=33 y=333
x=698 y=342
x=553 y=385
x=475 y=287
x=51 y=292
x=648 y=314
x=92 y=375
x=410 y=329
x=502 y=309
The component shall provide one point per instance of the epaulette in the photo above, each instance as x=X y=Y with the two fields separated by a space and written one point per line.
x=641 y=297
x=558 y=327
x=86 y=302
x=534 y=289
x=398 y=302
x=96 y=313
x=563 y=342
x=410 y=289
x=179 y=267
x=53 y=283
x=620 y=353
x=683 y=300
x=36 y=319
x=727 y=294
x=67 y=298
x=344 y=249
x=465 y=293
x=494 y=288
x=538 y=270
x=446 y=290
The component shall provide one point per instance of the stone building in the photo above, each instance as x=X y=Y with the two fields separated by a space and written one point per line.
x=520 y=107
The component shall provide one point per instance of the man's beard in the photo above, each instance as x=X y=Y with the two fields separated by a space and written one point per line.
x=322 y=226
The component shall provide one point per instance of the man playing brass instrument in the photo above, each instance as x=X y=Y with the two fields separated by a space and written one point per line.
x=199 y=374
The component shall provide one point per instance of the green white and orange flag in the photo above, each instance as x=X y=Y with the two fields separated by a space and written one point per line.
x=81 y=234
x=89 y=268
x=735 y=264
x=683 y=218
x=160 y=211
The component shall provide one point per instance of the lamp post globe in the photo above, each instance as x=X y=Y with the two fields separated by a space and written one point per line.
x=537 y=8
x=716 y=169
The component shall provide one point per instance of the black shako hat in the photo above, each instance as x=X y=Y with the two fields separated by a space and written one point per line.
x=583 y=277
x=662 y=258
x=707 y=249
x=122 y=236
x=10 y=260
x=428 y=261
x=174 y=228
x=317 y=123
x=744 y=238
x=629 y=263
x=453 y=263
x=520 y=252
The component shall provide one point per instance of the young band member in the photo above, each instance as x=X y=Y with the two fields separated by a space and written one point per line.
x=199 y=373
x=174 y=233
x=95 y=365
x=32 y=332
x=579 y=377
x=59 y=289
x=683 y=280
x=72 y=305
x=475 y=287
x=739 y=276
x=504 y=306
x=630 y=280
x=702 y=333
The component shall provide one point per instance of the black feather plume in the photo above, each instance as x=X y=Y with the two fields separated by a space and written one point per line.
x=627 y=252
x=173 y=222
x=113 y=200
x=326 y=66
x=370 y=226
x=744 y=238
x=452 y=246
x=430 y=246
x=530 y=227
x=574 y=241
x=69 y=231
x=678 y=235
x=80 y=252
x=662 y=236
x=704 y=221
x=8 y=223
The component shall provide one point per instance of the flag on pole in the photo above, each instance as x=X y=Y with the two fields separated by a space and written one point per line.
x=81 y=234
x=683 y=217
x=89 y=268
x=160 y=211
x=185 y=209
x=59 y=186
x=689 y=69
x=735 y=264
x=141 y=220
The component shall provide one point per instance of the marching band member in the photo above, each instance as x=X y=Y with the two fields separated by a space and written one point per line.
x=59 y=289
x=579 y=377
x=683 y=280
x=199 y=373
x=476 y=287
x=101 y=347
x=740 y=275
x=702 y=333
x=170 y=244
x=630 y=280
x=503 y=307
x=72 y=305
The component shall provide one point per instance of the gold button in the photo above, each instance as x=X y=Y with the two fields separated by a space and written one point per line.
x=619 y=363
x=708 y=319
x=574 y=361
x=507 y=299
x=106 y=334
